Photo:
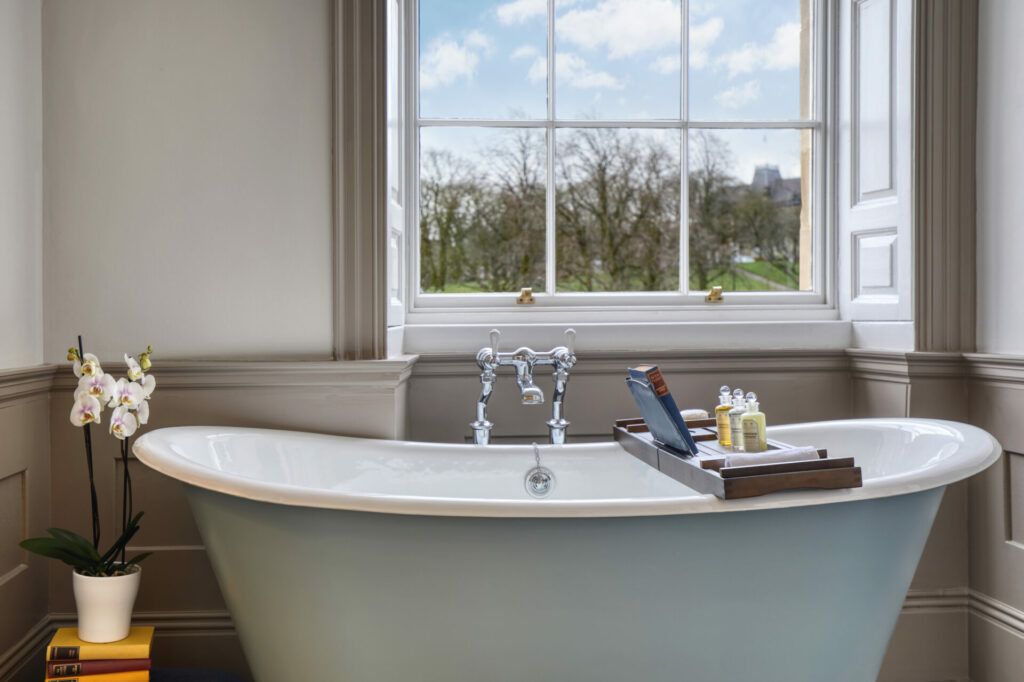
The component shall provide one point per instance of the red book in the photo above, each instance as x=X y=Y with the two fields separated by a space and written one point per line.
x=73 y=668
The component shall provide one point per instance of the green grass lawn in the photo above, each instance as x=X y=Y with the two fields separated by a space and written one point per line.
x=736 y=280
x=774 y=272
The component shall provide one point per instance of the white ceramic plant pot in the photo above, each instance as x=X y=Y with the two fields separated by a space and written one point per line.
x=105 y=605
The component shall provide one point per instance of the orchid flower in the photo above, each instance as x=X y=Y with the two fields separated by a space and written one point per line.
x=100 y=387
x=142 y=412
x=148 y=384
x=86 y=410
x=126 y=394
x=123 y=423
x=134 y=370
x=91 y=366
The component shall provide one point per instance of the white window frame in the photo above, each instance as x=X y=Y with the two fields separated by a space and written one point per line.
x=617 y=307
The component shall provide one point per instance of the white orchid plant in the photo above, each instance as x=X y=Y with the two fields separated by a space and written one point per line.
x=129 y=397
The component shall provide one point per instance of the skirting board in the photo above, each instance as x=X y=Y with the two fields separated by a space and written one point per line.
x=219 y=623
x=195 y=623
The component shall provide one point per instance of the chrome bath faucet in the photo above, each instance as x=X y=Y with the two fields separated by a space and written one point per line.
x=524 y=360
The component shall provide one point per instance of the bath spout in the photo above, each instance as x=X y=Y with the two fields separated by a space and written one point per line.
x=523 y=360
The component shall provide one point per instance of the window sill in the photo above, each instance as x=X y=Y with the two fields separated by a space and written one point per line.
x=470 y=335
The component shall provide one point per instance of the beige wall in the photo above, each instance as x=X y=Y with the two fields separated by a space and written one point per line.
x=21 y=184
x=188 y=177
x=24 y=511
x=1000 y=174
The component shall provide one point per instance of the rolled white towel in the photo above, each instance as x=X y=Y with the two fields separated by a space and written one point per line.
x=692 y=414
x=742 y=459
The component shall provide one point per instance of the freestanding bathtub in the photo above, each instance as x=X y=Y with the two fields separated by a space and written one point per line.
x=368 y=561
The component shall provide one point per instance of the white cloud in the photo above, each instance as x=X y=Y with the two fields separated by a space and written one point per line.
x=518 y=11
x=667 y=63
x=740 y=95
x=572 y=70
x=702 y=36
x=782 y=53
x=447 y=60
x=479 y=41
x=623 y=27
x=524 y=51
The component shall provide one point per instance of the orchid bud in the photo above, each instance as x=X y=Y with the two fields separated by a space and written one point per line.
x=144 y=362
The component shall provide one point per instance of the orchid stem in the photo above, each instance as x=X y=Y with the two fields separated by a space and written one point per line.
x=92 y=480
x=126 y=495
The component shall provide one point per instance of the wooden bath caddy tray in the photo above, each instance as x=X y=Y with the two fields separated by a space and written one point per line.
x=706 y=473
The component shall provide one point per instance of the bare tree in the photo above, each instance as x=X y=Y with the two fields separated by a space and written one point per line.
x=617 y=216
x=511 y=242
x=450 y=199
x=482 y=221
x=713 y=228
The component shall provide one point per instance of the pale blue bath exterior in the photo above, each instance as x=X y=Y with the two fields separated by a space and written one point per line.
x=797 y=594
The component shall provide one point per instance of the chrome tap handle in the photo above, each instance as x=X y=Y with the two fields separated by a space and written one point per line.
x=564 y=357
x=487 y=358
x=488 y=361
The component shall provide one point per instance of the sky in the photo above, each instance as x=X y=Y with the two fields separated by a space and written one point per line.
x=617 y=59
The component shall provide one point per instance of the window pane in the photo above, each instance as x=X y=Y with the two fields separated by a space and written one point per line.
x=617 y=59
x=749 y=195
x=750 y=60
x=617 y=210
x=483 y=59
x=482 y=203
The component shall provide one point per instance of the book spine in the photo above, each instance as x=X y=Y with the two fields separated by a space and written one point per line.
x=657 y=381
x=133 y=676
x=97 y=652
x=96 y=667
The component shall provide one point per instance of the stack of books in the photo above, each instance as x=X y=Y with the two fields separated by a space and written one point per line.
x=69 y=659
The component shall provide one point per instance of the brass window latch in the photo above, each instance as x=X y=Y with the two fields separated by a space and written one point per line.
x=714 y=296
x=525 y=296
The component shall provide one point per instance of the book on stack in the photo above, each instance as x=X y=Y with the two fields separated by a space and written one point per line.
x=69 y=659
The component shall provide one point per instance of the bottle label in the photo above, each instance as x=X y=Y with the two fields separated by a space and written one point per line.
x=735 y=430
x=751 y=436
x=723 y=427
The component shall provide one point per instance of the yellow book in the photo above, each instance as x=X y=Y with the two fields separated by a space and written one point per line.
x=65 y=646
x=130 y=676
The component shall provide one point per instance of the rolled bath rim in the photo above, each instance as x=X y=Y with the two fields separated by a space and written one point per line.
x=897 y=456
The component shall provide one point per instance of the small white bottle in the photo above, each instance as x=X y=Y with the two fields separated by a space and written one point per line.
x=739 y=407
